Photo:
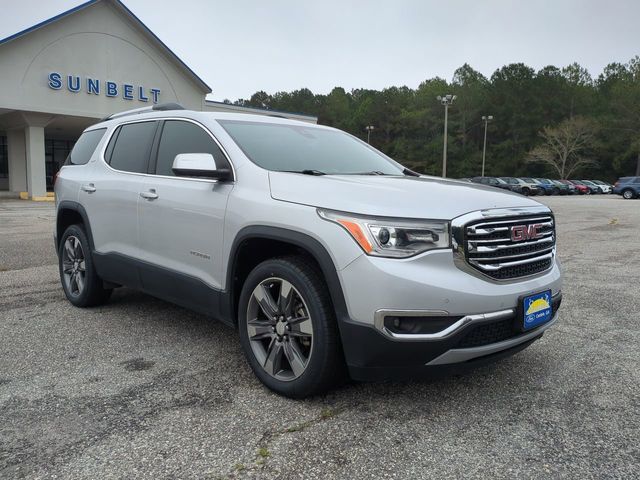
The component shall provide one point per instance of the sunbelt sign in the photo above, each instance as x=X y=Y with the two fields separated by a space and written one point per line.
x=94 y=86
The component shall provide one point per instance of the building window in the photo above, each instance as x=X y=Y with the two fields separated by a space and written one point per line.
x=4 y=158
x=55 y=153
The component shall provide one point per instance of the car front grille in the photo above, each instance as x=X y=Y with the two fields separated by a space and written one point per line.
x=492 y=247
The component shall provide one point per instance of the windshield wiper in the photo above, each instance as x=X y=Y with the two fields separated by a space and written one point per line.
x=373 y=172
x=305 y=172
x=410 y=173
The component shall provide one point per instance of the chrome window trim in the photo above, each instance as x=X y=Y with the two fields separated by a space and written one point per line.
x=153 y=175
x=459 y=224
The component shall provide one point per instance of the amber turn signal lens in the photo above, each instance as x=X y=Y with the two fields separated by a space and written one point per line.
x=357 y=233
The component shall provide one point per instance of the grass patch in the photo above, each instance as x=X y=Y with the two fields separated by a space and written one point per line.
x=263 y=452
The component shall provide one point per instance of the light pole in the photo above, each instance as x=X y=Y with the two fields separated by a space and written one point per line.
x=369 y=129
x=486 y=120
x=446 y=101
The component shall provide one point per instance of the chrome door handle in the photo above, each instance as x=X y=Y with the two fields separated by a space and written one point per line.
x=90 y=188
x=150 y=195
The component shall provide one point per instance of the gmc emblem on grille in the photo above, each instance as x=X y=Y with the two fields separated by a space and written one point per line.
x=520 y=233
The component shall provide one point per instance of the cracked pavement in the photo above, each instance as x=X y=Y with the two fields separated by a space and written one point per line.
x=140 y=388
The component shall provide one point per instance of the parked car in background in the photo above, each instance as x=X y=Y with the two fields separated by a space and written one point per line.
x=581 y=187
x=547 y=186
x=535 y=187
x=628 y=187
x=595 y=188
x=493 y=182
x=565 y=188
x=520 y=186
x=604 y=186
x=573 y=188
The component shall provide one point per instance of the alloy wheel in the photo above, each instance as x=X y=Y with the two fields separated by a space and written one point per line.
x=74 y=266
x=280 y=329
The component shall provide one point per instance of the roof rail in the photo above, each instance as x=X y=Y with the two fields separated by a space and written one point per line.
x=160 y=107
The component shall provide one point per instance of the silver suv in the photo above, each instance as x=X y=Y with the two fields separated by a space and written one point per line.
x=330 y=258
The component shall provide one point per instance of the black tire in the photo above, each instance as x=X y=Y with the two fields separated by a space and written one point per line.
x=628 y=194
x=555 y=191
x=92 y=292
x=325 y=367
x=526 y=192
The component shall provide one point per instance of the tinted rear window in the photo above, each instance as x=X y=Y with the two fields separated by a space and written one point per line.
x=132 y=147
x=85 y=146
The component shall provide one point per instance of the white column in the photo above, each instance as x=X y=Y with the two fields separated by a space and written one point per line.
x=36 y=173
x=16 y=150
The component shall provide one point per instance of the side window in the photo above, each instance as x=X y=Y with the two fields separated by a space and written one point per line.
x=85 y=146
x=185 y=137
x=130 y=147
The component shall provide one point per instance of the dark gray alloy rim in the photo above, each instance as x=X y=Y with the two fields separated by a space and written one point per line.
x=280 y=329
x=73 y=266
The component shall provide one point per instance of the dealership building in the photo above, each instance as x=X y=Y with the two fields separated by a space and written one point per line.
x=66 y=73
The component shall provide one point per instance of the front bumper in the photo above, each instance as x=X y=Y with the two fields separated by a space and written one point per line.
x=373 y=356
x=431 y=285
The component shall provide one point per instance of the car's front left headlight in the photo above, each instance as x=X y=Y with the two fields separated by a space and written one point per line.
x=392 y=237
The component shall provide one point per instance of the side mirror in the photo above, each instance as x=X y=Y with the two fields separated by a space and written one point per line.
x=198 y=165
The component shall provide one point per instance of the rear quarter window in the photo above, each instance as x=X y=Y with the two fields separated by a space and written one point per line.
x=85 y=146
x=130 y=146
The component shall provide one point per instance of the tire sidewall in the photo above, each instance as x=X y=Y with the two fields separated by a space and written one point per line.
x=319 y=313
x=82 y=299
x=627 y=194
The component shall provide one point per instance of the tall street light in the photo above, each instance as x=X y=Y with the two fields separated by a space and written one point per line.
x=486 y=120
x=446 y=101
x=369 y=129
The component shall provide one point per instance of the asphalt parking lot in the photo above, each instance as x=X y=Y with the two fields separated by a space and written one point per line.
x=140 y=388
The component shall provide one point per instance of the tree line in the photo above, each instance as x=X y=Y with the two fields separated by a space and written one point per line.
x=534 y=112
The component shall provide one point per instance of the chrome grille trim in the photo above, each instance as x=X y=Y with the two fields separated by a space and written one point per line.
x=501 y=240
x=483 y=246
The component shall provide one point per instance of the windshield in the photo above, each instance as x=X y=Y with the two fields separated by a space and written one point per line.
x=529 y=180
x=578 y=182
x=512 y=181
x=296 y=148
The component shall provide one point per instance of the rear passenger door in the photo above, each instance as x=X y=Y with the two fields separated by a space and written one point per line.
x=181 y=220
x=110 y=194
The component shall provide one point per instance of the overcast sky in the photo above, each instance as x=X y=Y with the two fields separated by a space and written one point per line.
x=241 y=46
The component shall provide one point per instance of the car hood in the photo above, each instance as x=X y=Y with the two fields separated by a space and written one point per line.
x=391 y=196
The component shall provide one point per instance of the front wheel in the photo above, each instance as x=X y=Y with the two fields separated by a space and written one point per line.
x=288 y=328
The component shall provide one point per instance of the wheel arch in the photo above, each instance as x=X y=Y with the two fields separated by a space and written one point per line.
x=70 y=213
x=277 y=241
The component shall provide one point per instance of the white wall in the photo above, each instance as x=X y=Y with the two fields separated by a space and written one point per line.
x=97 y=42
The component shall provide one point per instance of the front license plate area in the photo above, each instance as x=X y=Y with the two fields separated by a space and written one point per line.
x=536 y=309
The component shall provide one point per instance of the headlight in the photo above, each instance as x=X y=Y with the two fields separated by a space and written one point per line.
x=392 y=237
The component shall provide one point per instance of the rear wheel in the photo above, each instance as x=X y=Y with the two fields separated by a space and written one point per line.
x=628 y=194
x=555 y=191
x=526 y=192
x=80 y=282
x=288 y=328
